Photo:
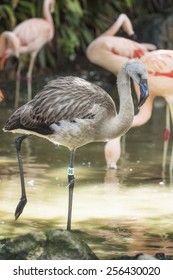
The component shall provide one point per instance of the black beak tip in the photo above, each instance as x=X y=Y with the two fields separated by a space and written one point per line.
x=144 y=92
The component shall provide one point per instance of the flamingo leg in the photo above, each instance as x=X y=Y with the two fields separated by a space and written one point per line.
x=71 y=180
x=18 y=78
x=29 y=76
x=123 y=150
x=171 y=161
x=166 y=138
x=23 y=199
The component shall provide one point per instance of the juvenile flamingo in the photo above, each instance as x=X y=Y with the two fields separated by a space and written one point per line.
x=27 y=38
x=73 y=112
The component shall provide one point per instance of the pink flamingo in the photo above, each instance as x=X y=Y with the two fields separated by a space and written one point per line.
x=27 y=38
x=111 y=52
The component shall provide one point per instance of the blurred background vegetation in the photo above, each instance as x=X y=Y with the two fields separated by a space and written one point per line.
x=77 y=22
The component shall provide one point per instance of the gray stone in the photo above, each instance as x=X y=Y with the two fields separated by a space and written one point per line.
x=48 y=245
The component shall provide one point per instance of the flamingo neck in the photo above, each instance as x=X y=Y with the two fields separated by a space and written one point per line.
x=3 y=59
x=122 y=21
x=47 y=14
x=124 y=119
x=9 y=45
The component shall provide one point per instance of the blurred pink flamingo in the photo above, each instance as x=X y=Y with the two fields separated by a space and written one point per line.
x=112 y=52
x=27 y=38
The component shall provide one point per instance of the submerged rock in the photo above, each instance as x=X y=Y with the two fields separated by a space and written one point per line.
x=49 y=245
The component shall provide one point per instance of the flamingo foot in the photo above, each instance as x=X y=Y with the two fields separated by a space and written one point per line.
x=20 y=207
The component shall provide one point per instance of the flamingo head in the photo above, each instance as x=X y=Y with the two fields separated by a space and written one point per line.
x=9 y=46
x=138 y=72
x=3 y=60
x=133 y=37
x=52 y=6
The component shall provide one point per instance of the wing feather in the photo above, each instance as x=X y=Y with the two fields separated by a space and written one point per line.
x=66 y=98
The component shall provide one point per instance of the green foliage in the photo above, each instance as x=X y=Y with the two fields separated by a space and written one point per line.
x=25 y=10
x=74 y=7
x=7 y=17
x=71 y=14
x=129 y=3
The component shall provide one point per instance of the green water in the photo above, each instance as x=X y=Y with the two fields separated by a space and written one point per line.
x=116 y=212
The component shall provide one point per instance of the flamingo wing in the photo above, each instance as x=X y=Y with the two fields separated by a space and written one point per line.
x=127 y=48
x=64 y=99
x=159 y=63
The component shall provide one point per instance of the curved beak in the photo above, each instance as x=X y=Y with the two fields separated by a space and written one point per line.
x=2 y=61
x=143 y=85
